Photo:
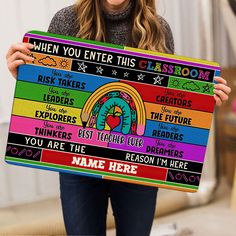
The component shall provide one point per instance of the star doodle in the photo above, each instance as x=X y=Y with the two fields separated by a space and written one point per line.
x=126 y=74
x=158 y=80
x=141 y=77
x=81 y=67
x=99 y=69
x=114 y=72
x=206 y=88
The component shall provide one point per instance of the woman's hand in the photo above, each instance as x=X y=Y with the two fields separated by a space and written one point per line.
x=18 y=54
x=221 y=91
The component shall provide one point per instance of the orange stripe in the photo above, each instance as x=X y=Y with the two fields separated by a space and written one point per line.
x=198 y=118
x=51 y=61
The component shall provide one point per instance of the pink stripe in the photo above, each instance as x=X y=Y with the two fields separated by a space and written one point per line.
x=23 y=125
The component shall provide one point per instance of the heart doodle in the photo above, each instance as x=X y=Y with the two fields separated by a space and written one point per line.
x=113 y=121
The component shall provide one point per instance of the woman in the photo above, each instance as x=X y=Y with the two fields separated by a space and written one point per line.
x=84 y=199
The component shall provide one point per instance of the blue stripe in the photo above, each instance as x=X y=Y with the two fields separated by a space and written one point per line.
x=30 y=73
x=191 y=135
x=217 y=73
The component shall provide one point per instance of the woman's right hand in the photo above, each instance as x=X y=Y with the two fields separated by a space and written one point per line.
x=18 y=54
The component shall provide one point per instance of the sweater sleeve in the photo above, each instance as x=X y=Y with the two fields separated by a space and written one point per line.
x=168 y=35
x=64 y=22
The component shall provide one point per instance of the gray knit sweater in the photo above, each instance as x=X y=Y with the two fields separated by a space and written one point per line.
x=117 y=26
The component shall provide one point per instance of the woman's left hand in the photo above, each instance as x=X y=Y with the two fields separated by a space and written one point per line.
x=221 y=91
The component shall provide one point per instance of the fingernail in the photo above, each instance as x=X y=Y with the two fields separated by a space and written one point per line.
x=31 y=46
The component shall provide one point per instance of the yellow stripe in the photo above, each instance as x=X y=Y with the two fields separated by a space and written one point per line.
x=176 y=57
x=199 y=119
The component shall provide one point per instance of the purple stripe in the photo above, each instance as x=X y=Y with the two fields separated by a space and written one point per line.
x=190 y=152
x=122 y=51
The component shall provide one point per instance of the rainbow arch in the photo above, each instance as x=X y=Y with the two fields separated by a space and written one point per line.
x=116 y=94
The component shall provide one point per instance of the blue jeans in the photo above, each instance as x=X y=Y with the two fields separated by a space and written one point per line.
x=85 y=200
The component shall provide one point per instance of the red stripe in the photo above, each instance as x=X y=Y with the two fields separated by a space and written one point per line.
x=25 y=40
x=66 y=159
x=149 y=93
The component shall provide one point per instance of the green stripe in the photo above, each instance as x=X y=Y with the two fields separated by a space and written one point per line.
x=186 y=186
x=191 y=85
x=35 y=92
x=76 y=39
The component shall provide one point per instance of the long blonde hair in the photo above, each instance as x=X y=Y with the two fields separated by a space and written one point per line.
x=147 y=31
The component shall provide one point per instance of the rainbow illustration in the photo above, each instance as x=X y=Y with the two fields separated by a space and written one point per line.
x=119 y=96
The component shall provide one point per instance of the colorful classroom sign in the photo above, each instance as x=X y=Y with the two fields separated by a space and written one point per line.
x=112 y=112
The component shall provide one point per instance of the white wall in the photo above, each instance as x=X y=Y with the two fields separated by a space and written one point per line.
x=20 y=184
x=16 y=18
x=224 y=25
x=192 y=38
